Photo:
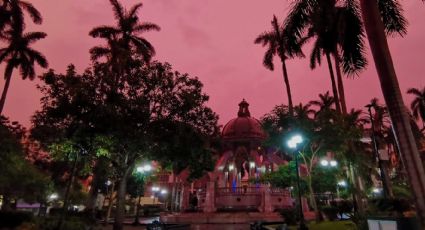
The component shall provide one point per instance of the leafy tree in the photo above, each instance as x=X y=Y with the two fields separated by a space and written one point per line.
x=281 y=44
x=158 y=109
x=32 y=185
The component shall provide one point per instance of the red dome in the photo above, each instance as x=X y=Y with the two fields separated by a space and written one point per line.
x=244 y=127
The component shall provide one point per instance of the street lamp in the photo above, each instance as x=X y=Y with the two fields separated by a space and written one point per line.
x=142 y=170
x=292 y=143
x=326 y=163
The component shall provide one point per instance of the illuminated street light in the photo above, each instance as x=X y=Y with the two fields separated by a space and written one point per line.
x=53 y=196
x=342 y=183
x=231 y=167
x=147 y=168
x=163 y=191
x=155 y=189
x=324 y=163
x=292 y=143
x=331 y=163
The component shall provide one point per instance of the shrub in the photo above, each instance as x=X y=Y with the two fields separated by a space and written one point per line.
x=330 y=212
x=14 y=218
x=289 y=215
x=389 y=206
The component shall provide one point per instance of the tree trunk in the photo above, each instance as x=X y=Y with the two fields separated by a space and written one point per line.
x=334 y=89
x=121 y=192
x=394 y=101
x=288 y=88
x=111 y=203
x=357 y=193
x=4 y=93
x=313 y=199
x=341 y=92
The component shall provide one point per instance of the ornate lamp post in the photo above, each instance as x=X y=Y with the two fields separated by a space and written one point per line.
x=142 y=171
x=292 y=143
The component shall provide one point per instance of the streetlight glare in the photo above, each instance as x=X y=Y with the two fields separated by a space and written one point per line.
x=333 y=163
x=294 y=141
x=140 y=169
x=163 y=191
x=342 y=183
x=324 y=162
x=147 y=168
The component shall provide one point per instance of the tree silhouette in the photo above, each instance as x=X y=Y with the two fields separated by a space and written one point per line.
x=280 y=44
x=12 y=15
x=337 y=30
x=418 y=104
x=20 y=55
x=125 y=36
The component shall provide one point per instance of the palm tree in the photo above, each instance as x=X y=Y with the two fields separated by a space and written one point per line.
x=123 y=42
x=418 y=104
x=20 y=55
x=325 y=102
x=12 y=14
x=376 y=34
x=338 y=32
x=125 y=33
x=279 y=43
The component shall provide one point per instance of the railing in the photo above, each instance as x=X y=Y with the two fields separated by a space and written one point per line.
x=280 y=191
x=238 y=191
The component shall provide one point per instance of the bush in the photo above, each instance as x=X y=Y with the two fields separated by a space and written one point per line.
x=389 y=207
x=330 y=212
x=14 y=218
x=289 y=215
x=49 y=223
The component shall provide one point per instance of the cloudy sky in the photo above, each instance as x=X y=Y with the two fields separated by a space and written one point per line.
x=213 y=40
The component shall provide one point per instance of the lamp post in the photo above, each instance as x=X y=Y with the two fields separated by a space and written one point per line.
x=383 y=173
x=292 y=143
x=142 y=170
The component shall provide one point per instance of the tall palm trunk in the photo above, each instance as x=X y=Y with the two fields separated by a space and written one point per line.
x=8 y=77
x=288 y=87
x=334 y=89
x=340 y=84
x=121 y=191
x=394 y=101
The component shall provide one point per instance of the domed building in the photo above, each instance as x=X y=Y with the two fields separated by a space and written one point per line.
x=243 y=159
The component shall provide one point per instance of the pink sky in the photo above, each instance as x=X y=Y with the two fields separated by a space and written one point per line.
x=213 y=40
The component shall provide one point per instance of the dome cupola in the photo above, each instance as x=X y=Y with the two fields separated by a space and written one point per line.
x=244 y=127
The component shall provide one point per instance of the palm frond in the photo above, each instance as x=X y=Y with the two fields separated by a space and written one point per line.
x=392 y=17
x=316 y=55
x=119 y=12
x=103 y=31
x=38 y=57
x=298 y=18
x=351 y=38
x=146 y=26
x=98 y=52
x=32 y=37
x=144 y=48
x=414 y=91
x=268 y=59
x=32 y=11
x=134 y=9
x=264 y=38
x=4 y=52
